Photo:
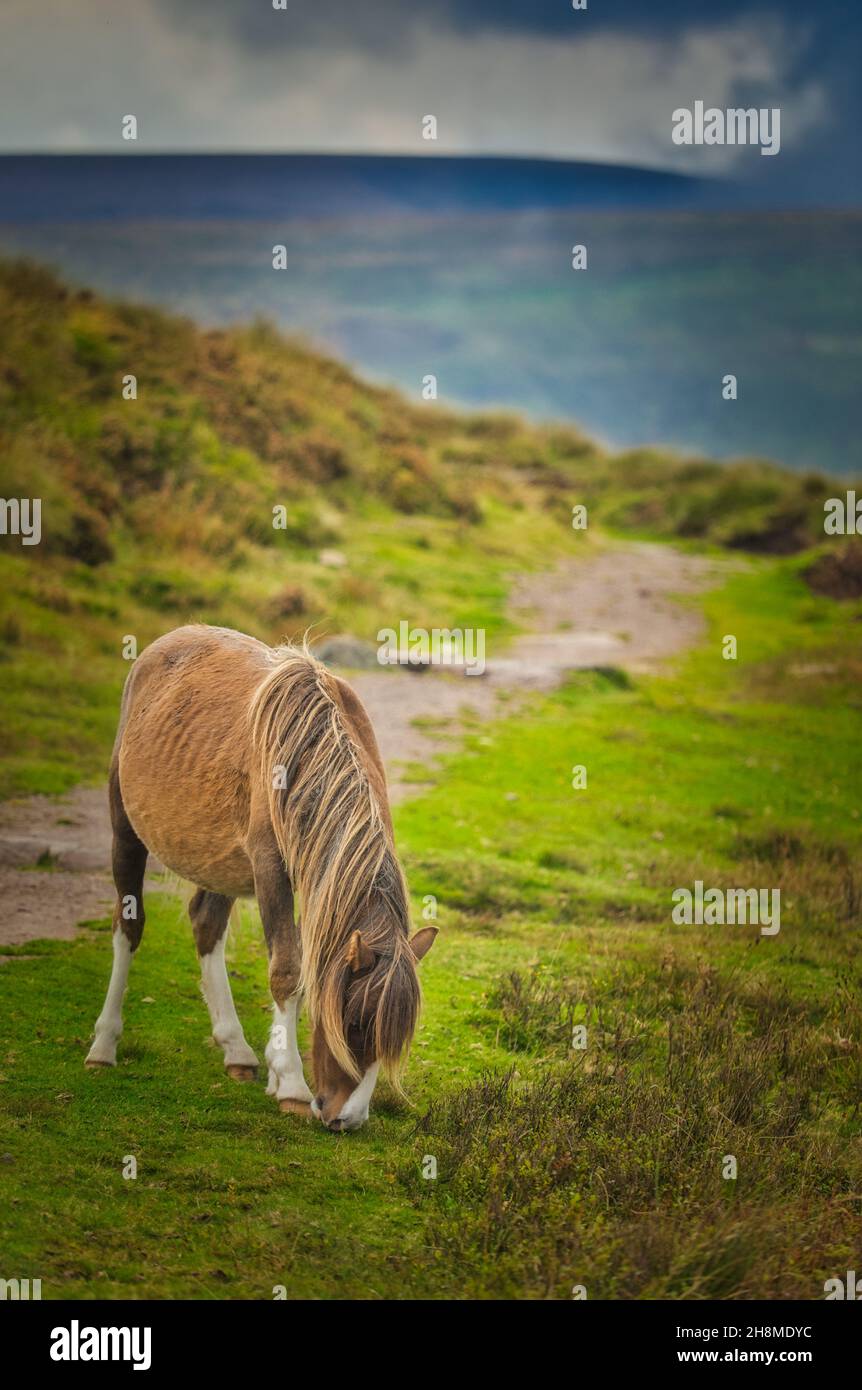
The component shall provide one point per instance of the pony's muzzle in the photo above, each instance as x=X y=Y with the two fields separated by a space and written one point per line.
x=319 y=1111
x=346 y=1110
x=331 y=1115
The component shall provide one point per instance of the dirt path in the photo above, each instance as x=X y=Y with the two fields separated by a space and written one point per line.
x=617 y=607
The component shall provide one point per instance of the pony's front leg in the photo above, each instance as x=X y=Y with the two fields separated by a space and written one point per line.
x=286 y=1078
x=210 y=913
x=275 y=899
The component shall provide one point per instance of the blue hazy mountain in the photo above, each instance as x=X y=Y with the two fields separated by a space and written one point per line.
x=268 y=186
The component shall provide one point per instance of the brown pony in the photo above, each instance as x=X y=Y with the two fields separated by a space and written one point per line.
x=252 y=770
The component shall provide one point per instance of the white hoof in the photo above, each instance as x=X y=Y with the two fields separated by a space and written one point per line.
x=293 y=1088
x=240 y=1055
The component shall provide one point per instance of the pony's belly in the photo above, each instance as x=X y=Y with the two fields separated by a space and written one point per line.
x=231 y=876
x=195 y=848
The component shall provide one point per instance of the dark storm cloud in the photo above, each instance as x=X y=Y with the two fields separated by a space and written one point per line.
x=379 y=26
x=528 y=77
x=383 y=23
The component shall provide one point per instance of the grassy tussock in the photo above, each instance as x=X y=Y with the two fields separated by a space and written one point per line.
x=606 y=1168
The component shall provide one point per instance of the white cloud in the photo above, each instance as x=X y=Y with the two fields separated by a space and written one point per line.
x=70 y=74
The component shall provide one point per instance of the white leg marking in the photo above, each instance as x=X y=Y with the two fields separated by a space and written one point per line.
x=227 y=1029
x=286 y=1079
x=109 y=1024
x=354 y=1112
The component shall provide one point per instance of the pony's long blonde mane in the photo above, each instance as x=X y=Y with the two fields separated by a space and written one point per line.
x=339 y=856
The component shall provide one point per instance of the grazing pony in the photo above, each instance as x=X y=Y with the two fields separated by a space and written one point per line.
x=252 y=770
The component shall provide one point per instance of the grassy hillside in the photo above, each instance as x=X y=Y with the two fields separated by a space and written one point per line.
x=555 y=1167
x=159 y=510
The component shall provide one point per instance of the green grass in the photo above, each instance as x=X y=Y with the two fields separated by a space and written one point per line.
x=555 y=1167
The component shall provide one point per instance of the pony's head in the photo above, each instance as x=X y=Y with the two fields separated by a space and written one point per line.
x=366 y=1016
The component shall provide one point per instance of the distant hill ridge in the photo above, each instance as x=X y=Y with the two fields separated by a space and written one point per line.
x=290 y=186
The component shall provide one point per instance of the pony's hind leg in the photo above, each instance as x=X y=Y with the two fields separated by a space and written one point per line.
x=275 y=899
x=129 y=860
x=210 y=913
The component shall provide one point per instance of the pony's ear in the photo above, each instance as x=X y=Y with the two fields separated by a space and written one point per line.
x=422 y=941
x=359 y=956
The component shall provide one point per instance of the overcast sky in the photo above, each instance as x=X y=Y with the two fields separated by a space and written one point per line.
x=529 y=77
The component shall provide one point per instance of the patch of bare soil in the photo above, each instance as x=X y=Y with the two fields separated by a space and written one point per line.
x=838 y=573
x=55 y=855
x=617 y=607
